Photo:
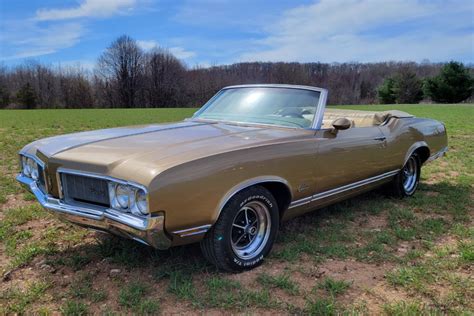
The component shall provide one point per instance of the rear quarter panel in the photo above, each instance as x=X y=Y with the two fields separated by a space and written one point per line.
x=405 y=135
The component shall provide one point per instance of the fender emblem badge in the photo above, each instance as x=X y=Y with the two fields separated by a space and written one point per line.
x=302 y=187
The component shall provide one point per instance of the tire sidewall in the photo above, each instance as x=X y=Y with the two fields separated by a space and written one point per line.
x=230 y=211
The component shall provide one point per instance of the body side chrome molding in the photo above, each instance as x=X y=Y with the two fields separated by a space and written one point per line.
x=344 y=188
x=192 y=231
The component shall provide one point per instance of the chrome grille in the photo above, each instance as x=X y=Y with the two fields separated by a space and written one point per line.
x=85 y=189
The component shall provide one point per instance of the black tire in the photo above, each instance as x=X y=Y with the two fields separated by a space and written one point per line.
x=225 y=243
x=405 y=182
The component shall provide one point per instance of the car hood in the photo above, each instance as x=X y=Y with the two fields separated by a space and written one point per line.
x=132 y=152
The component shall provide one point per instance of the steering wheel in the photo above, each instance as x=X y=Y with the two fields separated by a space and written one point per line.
x=291 y=113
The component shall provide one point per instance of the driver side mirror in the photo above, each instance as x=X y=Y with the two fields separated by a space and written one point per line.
x=341 y=123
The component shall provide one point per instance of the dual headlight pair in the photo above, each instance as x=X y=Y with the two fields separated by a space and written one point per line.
x=29 y=168
x=128 y=198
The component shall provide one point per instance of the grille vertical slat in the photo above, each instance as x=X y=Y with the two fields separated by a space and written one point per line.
x=86 y=189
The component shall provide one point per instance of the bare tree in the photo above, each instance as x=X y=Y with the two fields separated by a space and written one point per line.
x=164 y=79
x=121 y=67
x=125 y=76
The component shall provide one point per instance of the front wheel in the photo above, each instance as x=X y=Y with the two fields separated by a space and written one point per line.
x=245 y=231
x=406 y=181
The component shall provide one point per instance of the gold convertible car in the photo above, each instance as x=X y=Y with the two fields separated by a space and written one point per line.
x=251 y=157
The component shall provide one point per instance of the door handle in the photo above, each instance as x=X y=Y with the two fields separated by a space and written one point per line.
x=382 y=138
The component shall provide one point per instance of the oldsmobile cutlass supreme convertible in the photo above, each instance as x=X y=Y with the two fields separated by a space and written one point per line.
x=251 y=157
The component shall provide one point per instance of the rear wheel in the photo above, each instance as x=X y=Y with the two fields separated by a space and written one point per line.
x=245 y=231
x=406 y=181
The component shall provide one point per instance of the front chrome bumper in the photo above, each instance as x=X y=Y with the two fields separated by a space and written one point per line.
x=149 y=230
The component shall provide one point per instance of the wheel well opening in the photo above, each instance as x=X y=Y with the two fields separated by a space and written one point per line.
x=280 y=192
x=423 y=153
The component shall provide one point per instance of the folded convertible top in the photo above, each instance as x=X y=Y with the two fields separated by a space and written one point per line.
x=364 y=118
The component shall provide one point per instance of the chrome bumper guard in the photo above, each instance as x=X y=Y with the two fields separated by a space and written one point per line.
x=149 y=231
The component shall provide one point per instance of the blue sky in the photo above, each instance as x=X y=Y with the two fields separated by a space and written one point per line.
x=213 y=32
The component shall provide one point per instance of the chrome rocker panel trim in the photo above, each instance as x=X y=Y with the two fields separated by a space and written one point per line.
x=344 y=188
x=149 y=230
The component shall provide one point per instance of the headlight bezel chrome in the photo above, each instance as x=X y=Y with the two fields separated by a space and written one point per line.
x=30 y=166
x=130 y=204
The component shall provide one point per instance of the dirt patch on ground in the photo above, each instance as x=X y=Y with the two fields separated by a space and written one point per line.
x=14 y=201
x=375 y=222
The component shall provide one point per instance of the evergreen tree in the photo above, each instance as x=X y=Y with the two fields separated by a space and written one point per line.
x=454 y=84
x=407 y=88
x=385 y=92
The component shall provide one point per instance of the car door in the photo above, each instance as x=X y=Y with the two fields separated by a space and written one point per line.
x=345 y=157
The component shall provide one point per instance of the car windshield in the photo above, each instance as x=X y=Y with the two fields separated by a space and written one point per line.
x=263 y=105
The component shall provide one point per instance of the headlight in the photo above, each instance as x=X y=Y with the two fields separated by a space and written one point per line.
x=26 y=166
x=141 y=201
x=122 y=194
x=128 y=198
x=33 y=169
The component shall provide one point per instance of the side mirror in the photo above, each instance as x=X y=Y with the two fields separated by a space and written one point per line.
x=341 y=124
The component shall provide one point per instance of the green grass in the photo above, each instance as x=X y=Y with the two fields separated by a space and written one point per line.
x=442 y=266
x=441 y=208
x=321 y=307
x=412 y=308
x=82 y=288
x=282 y=281
x=133 y=297
x=16 y=301
x=334 y=287
x=73 y=308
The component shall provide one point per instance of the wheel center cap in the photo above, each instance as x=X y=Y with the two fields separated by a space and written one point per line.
x=252 y=230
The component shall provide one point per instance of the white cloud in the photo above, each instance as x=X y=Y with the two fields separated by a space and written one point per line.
x=177 y=51
x=88 y=8
x=49 y=31
x=148 y=45
x=27 y=39
x=368 y=30
x=181 y=53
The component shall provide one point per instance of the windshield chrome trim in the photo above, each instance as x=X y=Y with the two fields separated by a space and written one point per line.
x=240 y=123
x=318 y=115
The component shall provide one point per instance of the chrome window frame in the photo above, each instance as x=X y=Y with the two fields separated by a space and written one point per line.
x=318 y=115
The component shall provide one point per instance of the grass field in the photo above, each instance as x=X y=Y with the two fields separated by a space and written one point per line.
x=369 y=255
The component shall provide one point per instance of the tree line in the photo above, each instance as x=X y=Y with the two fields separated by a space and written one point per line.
x=127 y=76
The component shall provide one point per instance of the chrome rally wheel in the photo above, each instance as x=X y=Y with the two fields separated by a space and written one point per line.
x=406 y=181
x=250 y=229
x=244 y=232
x=410 y=175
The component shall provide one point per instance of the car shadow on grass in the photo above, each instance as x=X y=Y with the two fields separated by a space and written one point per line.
x=338 y=231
